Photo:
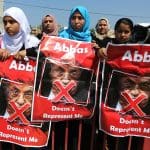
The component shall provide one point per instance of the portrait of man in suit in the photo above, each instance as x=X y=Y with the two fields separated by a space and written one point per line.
x=65 y=82
x=129 y=93
x=17 y=98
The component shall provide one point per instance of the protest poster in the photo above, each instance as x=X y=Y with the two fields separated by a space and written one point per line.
x=66 y=79
x=16 y=94
x=125 y=100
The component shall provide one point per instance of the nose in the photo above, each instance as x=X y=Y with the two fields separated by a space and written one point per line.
x=65 y=79
x=135 y=92
x=76 y=19
x=123 y=34
x=48 y=22
x=20 y=100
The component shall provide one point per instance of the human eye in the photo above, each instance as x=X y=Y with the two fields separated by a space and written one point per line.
x=80 y=18
x=28 y=95
x=126 y=32
x=59 y=71
x=128 y=84
x=77 y=17
x=145 y=86
x=74 y=73
x=48 y=21
x=13 y=92
x=12 y=21
x=45 y=21
x=119 y=31
x=4 y=22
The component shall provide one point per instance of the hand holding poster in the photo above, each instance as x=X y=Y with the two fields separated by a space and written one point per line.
x=125 y=104
x=65 y=80
x=16 y=94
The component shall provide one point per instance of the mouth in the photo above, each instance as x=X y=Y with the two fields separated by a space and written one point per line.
x=9 y=32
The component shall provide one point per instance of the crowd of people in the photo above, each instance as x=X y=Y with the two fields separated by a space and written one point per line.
x=18 y=40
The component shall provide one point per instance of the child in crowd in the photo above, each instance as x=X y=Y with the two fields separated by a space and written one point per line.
x=123 y=34
x=16 y=39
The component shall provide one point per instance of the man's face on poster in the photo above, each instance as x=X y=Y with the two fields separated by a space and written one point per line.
x=64 y=73
x=135 y=86
x=20 y=94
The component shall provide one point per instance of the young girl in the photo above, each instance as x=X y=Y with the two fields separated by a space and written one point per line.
x=16 y=39
x=123 y=34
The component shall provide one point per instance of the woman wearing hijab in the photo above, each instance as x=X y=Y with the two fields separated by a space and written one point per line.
x=16 y=39
x=102 y=33
x=49 y=26
x=103 y=29
x=78 y=26
x=79 y=30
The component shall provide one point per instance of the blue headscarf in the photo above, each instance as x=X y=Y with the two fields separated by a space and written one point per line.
x=84 y=34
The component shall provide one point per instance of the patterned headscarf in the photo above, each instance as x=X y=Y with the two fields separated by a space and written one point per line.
x=84 y=34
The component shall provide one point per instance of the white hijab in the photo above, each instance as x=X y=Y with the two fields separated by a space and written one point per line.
x=14 y=43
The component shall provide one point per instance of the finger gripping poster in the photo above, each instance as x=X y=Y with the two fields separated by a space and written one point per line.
x=65 y=83
x=16 y=95
x=125 y=101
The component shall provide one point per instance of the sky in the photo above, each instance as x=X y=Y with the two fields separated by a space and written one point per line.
x=137 y=10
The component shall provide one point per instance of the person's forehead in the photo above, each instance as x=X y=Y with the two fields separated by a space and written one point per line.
x=137 y=79
x=8 y=18
x=103 y=22
x=145 y=79
x=20 y=86
x=48 y=18
x=64 y=66
x=123 y=25
x=77 y=13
